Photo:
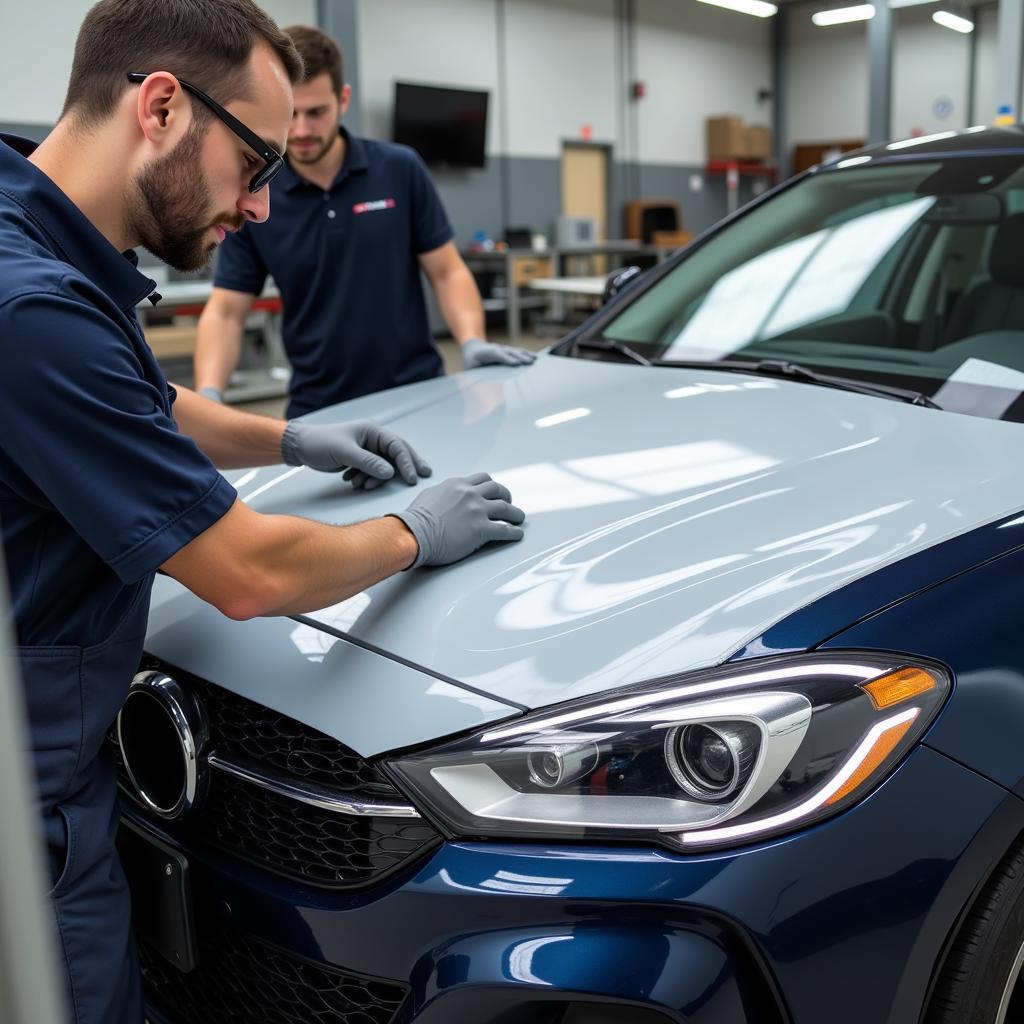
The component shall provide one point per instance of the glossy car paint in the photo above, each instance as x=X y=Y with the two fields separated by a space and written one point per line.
x=971 y=624
x=841 y=924
x=846 y=922
x=370 y=702
x=682 y=517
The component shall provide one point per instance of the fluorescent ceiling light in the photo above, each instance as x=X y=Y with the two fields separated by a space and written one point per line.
x=842 y=15
x=953 y=21
x=758 y=8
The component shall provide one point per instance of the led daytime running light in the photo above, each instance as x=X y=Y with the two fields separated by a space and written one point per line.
x=875 y=736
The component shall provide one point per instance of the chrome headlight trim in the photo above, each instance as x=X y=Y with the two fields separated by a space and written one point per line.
x=827 y=728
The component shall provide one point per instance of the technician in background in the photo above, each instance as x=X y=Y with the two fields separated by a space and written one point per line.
x=354 y=223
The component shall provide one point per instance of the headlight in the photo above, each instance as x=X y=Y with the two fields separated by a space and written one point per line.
x=716 y=758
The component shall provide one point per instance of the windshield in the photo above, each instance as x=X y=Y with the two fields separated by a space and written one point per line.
x=908 y=274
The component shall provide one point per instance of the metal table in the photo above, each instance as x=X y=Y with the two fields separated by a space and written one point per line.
x=507 y=258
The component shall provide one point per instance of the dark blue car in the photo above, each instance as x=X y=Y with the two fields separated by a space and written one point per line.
x=734 y=736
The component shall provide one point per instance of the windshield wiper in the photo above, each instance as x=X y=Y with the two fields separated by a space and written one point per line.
x=605 y=345
x=795 y=371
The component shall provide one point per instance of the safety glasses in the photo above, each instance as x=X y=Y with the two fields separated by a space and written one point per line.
x=273 y=161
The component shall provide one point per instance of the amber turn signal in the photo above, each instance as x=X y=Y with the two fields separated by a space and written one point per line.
x=896 y=687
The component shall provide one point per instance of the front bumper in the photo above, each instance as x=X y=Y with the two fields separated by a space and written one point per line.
x=844 y=922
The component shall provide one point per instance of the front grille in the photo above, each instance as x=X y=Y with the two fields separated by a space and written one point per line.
x=318 y=846
x=306 y=842
x=242 y=728
x=241 y=980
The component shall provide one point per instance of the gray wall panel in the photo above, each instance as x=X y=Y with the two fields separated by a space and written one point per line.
x=699 y=209
x=472 y=199
x=535 y=193
x=38 y=132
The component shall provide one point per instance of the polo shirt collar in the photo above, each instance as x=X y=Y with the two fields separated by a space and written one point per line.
x=73 y=235
x=355 y=161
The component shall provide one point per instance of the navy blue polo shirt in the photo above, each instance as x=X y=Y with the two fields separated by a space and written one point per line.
x=345 y=263
x=97 y=485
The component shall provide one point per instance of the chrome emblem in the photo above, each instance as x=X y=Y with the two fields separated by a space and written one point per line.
x=162 y=733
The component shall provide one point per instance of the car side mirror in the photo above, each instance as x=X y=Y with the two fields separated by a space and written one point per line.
x=619 y=280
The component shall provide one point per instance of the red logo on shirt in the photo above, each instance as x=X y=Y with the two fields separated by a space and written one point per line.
x=373 y=205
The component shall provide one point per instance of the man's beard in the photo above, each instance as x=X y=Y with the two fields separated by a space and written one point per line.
x=320 y=153
x=169 y=210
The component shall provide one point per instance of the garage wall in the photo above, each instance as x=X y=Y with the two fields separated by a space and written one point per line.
x=696 y=61
x=930 y=71
x=36 y=51
x=931 y=88
x=837 y=54
x=556 y=65
x=402 y=39
x=986 y=68
x=561 y=60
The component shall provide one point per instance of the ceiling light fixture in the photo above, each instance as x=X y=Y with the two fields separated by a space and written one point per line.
x=843 y=15
x=758 y=8
x=953 y=21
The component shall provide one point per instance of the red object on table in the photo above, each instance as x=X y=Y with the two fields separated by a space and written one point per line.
x=733 y=169
x=271 y=305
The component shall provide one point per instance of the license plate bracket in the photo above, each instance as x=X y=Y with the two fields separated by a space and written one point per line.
x=160 y=883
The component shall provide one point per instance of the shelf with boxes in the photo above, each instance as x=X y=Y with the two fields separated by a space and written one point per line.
x=736 y=149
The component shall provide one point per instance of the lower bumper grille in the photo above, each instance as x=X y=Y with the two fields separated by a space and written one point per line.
x=304 y=842
x=241 y=980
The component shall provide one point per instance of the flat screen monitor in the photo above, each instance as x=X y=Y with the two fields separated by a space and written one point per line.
x=447 y=127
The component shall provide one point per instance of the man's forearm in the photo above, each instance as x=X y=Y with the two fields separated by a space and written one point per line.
x=230 y=439
x=247 y=564
x=323 y=565
x=459 y=300
x=218 y=349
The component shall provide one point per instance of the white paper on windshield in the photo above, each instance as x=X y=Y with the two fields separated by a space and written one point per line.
x=981 y=371
x=1001 y=386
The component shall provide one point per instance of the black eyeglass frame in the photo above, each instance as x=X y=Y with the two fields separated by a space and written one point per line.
x=273 y=161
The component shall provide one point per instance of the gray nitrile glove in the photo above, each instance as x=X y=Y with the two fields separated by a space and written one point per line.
x=477 y=352
x=369 y=454
x=454 y=518
x=213 y=394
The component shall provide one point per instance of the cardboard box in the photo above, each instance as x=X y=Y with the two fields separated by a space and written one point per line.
x=526 y=268
x=759 y=142
x=674 y=239
x=726 y=137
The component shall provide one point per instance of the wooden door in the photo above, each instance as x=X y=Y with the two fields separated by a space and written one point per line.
x=585 y=192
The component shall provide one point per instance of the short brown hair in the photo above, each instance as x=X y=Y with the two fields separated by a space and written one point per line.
x=319 y=53
x=206 y=42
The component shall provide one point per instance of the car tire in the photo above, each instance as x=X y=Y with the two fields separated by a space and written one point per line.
x=983 y=967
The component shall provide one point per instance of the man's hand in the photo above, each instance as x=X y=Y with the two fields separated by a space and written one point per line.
x=454 y=518
x=477 y=352
x=369 y=454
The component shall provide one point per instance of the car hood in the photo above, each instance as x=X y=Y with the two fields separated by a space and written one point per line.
x=672 y=515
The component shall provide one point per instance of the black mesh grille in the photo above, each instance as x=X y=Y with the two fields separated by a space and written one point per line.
x=241 y=980
x=243 y=728
x=306 y=842
x=281 y=834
